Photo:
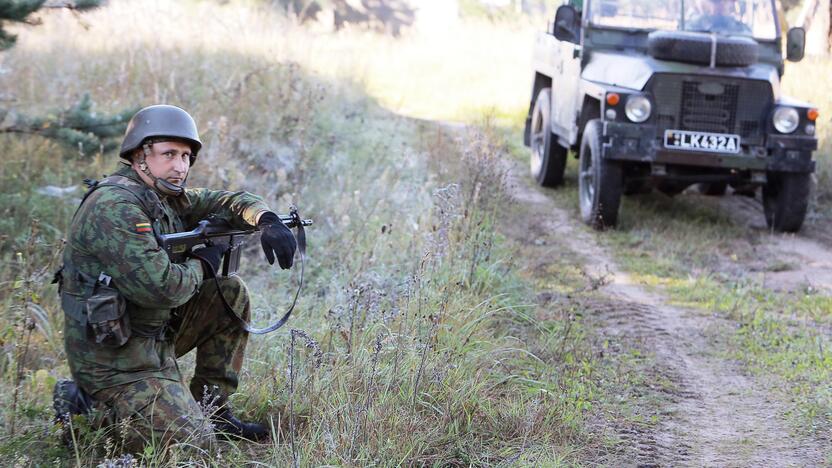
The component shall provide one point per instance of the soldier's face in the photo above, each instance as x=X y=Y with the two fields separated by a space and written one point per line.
x=169 y=160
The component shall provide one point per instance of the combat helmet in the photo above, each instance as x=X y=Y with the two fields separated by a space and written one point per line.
x=157 y=122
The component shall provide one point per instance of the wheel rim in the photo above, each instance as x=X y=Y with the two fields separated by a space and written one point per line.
x=538 y=143
x=586 y=181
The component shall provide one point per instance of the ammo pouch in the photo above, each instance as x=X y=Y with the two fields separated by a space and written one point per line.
x=98 y=306
x=108 y=324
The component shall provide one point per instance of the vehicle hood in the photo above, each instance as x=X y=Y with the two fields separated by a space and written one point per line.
x=633 y=70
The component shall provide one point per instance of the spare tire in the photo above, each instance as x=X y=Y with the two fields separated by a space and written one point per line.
x=695 y=47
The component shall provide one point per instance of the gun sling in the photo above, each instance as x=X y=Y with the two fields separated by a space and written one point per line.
x=301 y=239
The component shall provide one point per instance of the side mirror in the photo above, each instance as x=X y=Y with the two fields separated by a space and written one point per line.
x=567 y=24
x=795 y=44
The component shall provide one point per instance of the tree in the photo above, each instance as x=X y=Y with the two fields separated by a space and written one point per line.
x=20 y=11
x=78 y=127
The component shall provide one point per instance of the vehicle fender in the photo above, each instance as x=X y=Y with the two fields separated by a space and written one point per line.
x=591 y=108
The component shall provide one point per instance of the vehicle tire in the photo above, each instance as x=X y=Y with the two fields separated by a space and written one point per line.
x=695 y=47
x=600 y=181
x=714 y=189
x=548 y=158
x=785 y=200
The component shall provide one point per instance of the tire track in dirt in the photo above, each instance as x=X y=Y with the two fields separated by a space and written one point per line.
x=802 y=262
x=717 y=415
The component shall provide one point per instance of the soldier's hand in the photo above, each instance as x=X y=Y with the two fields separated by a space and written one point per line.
x=211 y=255
x=277 y=240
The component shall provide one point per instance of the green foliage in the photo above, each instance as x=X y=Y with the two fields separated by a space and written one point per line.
x=18 y=11
x=418 y=339
x=15 y=11
x=79 y=127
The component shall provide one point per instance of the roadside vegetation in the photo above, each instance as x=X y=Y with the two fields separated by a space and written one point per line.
x=418 y=340
x=431 y=329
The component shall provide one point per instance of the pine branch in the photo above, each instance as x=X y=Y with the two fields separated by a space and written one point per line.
x=18 y=11
x=78 y=127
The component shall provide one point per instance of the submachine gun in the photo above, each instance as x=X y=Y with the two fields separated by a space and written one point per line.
x=218 y=231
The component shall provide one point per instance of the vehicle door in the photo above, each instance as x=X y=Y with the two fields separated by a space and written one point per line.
x=567 y=71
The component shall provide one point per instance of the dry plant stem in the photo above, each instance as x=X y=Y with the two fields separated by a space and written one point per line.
x=371 y=385
x=423 y=360
x=403 y=322
x=28 y=323
x=292 y=400
x=570 y=321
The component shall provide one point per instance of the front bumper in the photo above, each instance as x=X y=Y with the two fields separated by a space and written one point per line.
x=642 y=143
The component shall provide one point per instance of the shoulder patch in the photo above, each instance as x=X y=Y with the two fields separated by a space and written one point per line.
x=143 y=227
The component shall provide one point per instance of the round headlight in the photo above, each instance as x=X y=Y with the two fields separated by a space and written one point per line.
x=638 y=108
x=786 y=119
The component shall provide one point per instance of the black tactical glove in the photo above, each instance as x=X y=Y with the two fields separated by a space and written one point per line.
x=277 y=240
x=212 y=255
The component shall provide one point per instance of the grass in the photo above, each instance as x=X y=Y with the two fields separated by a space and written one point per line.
x=416 y=341
x=691 y=254
x=422 y=337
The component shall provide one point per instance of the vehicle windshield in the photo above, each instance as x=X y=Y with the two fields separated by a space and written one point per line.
x=742 y=17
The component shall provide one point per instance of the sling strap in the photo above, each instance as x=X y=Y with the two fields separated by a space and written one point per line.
x=301 y=240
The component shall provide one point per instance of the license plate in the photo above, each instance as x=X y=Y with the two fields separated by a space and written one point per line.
x=701 y=141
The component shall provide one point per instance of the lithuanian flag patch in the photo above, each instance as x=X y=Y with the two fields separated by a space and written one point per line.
x=143 y=227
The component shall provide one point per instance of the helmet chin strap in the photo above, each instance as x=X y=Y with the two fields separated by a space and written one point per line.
x=161 y=185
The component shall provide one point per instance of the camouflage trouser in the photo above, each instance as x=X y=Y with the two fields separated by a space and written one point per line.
x=160 y=411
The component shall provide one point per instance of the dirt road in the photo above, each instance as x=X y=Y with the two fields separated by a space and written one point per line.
x=716 y=415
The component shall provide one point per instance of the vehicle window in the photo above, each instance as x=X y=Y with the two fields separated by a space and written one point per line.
x=742 y=17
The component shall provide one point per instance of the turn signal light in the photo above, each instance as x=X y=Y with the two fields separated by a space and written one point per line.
x=613 y=99
x=812 y=114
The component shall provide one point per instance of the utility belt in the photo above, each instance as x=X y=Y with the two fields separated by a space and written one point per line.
x=99 y=307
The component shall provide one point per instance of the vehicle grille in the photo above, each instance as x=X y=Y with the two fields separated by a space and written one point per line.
x=712 y=104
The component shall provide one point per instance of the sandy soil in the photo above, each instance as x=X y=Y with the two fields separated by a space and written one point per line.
x=802 y=262
x=717 y=415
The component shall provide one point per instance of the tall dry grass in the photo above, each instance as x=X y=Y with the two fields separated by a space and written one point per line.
x=415 y=342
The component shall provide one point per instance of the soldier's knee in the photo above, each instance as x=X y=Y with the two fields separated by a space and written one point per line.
x=236 y=293
x=154 y=410
x=234 y=287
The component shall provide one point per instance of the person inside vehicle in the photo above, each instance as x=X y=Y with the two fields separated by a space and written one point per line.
x=718 y=16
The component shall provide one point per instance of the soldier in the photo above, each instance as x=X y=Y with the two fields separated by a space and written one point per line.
x=130 y=312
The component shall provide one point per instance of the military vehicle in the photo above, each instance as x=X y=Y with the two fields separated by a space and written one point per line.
x=665 y=94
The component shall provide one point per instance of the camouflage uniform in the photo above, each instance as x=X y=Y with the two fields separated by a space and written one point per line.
x=171 y=310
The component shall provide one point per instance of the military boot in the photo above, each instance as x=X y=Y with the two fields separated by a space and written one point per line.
x=228 y=426
x=68 y=399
